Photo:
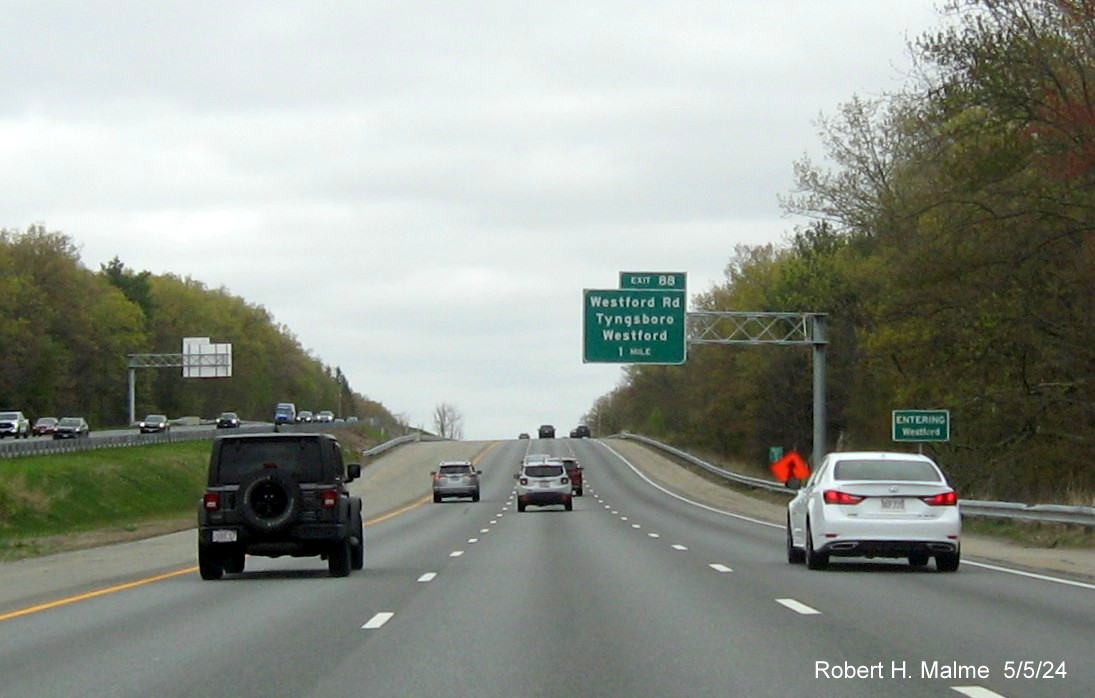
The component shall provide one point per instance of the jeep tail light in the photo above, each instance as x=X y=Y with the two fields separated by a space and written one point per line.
x=328 y=499
x=838 y=497
x=943 y=499
x=566 y=480
x=523 y=481
x=211 y=501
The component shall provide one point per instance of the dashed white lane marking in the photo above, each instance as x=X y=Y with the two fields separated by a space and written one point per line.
x=976 y=692
x=473 y=540
x=623 y=518
x=654 y=535
x=484 y=530
x=720 y=568
x=377 y=621
x=678 y=546
x=799 y=607
x=635 y=526
x=456 y=553
x=493 y=522
x=428 y=577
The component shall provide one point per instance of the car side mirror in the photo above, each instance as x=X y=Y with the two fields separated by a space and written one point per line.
x=478 y=472
x=794 y=483
x=353 y=472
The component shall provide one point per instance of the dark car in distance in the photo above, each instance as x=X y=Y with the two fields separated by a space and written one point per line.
x=228 y=420
x=154 y=424
x=546 y=431
x=71 y=428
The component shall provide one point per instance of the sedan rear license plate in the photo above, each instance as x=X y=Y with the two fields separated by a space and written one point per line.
x=224 y=536
x=893 y=504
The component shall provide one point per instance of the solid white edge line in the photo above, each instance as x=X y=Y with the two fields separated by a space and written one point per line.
x=378 y=620
x=741 y=517
x=428 y=577
x=799 y=607
x=1032 y=575
x=976 y=692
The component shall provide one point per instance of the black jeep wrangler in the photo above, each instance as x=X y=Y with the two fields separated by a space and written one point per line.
x=279 y=494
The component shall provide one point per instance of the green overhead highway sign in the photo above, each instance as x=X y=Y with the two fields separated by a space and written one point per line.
x=631 y=326
x=653 y=280
x=921 y=425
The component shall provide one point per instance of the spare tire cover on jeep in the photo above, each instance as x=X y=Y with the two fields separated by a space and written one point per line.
x=270 y=500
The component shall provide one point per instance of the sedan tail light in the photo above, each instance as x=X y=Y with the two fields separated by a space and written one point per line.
x=211 y=501
x=943 y=499
x=838 y=497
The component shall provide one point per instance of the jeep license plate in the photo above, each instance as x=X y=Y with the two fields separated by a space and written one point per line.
x=224 y=535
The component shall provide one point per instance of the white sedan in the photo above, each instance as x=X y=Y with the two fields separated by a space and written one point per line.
x=875 y=504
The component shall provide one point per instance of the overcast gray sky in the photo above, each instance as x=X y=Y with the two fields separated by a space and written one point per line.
x=420 y=191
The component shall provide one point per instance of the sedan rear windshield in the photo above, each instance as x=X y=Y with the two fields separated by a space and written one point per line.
x=240 y=458
x=543 y=470
x=455 y=469
x=903 y=470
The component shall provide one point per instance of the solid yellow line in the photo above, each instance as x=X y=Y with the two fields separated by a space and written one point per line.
x=93 y=594
x=397 y=512
x=178 y=573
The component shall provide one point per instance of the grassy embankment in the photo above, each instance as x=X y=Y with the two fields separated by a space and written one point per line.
x=48 y=503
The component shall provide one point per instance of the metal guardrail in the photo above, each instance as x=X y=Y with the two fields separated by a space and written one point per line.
x=16 y=448
x=1050 y=513
x=398 y=441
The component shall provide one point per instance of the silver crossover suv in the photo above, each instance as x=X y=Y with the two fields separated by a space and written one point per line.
x=456 y=478
x=543 y=483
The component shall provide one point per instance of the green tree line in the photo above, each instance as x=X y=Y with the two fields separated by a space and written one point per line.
x=67 y=332
x=951 y=242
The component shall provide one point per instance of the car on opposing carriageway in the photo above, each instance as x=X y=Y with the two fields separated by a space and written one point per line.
x=875 y=504
x=71 y=428
x=228 y=420
x=154 y=424
x=44 y=426
x=14 y=423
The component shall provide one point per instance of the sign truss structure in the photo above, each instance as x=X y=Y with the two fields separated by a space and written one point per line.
x=740 y=327
x=200 y=358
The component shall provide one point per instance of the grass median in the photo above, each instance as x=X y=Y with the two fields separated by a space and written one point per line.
x=48 y=502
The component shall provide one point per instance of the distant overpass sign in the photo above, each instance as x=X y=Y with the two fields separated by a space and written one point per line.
x=921 y=425
x=634 y=326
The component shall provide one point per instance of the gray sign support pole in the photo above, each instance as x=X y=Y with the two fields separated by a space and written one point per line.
x=819 y=343
x=741 y=327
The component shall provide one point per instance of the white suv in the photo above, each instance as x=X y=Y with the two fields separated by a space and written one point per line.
x=543 y=483
x=14 y=424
